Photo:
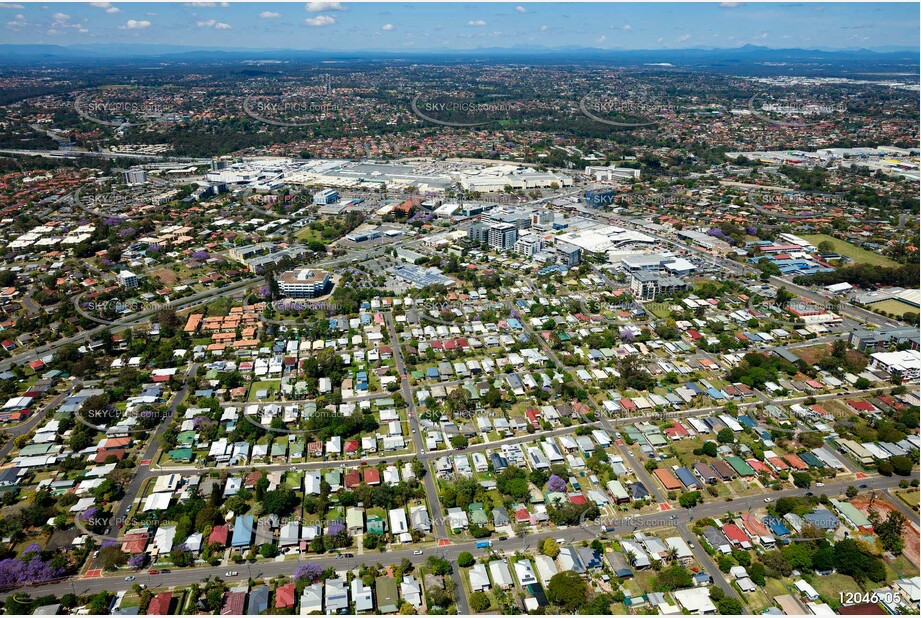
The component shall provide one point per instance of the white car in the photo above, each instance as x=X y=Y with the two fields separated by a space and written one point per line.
x=130 y=578
x=766 y=500
x=820 y=484
x=418 y=552
x=230 y=574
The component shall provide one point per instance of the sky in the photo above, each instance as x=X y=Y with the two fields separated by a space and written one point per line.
x=422 y=26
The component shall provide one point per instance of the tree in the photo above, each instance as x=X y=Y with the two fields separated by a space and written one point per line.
x=550 y=548
x=689 y=499
x=111 y=557
x=851 y=559
x=672 y=578
x=459 y=441
x=851 y=491
x=889 y=531
x=826 y=246
x=756 y=572
x=728 y=606
x=709 y=448
x=465 y=559
x=725 y=436
x=479 y=602
x=902 y=465
x=567 y=590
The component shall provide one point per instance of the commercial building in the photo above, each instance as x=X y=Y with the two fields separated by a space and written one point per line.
x=612 y=173
x=304 y=283
x=649 y=286
x=128 y=279
x=134 y=177
x=529 y=244
x=879 y=340
x=567 y=254
x=600 y=197
x=905 y=364
x=502 y=236
x=325 y=197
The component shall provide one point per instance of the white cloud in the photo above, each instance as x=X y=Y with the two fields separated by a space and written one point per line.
x=387 y=27
x=601 y=39
x=476 y=22
x=660 y=40
x=107 y=6
x=60 y=18
x=731 y=5
x=626 y=28
x=683 y=38
x=320 y=20
x=521 y=9
x=213 y=23
x=322 y=7
x=134 y=24
x=544 y=28
x=207 y=5
x=269 y=15
x=762 y=36
x=4 y=5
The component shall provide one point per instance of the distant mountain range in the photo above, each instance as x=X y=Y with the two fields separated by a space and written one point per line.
x=748 y=54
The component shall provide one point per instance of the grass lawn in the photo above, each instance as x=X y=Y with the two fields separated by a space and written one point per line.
x=270 y=385
x=660 y=310
x=758 y=601
x=893 y=306
x=909 y=496
x=774 y=587
x=854 y=252
x=830 y=586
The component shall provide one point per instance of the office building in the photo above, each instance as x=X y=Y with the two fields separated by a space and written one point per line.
x=325 y=197
x=529 y=244
x=128 y=279
x=648 y=285
x=502 y=236
x=567 y=254
x=600 y=197
x=134 y=177
x=304 y=283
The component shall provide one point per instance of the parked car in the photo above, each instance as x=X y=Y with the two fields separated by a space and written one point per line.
x=130 y=578
x=230 y=574
x=153 y=572
x=417 y=552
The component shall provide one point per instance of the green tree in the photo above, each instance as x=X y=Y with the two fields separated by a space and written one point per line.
x=567 y=590
x=550 y=548
x=725 y=436
x=465 y=559
x=479 y=602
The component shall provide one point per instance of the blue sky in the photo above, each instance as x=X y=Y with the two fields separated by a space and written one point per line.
x=408 y=26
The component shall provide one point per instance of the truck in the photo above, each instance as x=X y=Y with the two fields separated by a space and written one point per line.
x=483 y=544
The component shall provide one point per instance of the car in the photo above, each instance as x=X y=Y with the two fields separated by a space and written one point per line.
x=766 y=500
x=863 y=486
x=673 y=517
x=142 y=586
x=691 y=544
x=809 y=494
x=503 y=538
x=130 y=578
x=153 y=572
x=417 y=552
x=230 y=574
x=96 y=554
x=348 y=555
x=820 y=484
x=164 y=571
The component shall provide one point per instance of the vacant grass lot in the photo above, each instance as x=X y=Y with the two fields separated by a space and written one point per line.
x=852 y=251
x=893 y=306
